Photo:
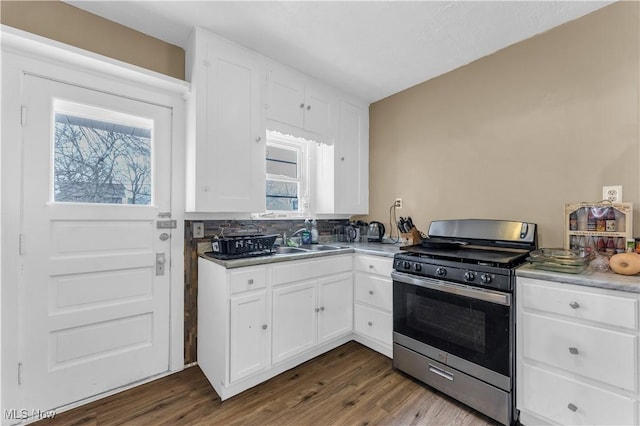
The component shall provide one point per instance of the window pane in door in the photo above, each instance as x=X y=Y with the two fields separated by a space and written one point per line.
x=97 y=160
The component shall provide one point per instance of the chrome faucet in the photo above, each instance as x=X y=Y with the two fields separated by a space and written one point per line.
x=286 y=239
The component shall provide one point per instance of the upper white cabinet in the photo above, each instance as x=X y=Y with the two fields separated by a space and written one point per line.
x=226 y=140
x=295 y=100
x=343 y=168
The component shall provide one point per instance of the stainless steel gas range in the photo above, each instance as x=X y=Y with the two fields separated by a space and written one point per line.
x=453 y=310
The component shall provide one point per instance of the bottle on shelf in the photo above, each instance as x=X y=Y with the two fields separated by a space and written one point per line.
x=601 y=219
x=610 y=222
x=573 y=221
x=611 y=247
x=621 y=245
x=314 y=232
x=591 y=220
x=573 y=242
x=602 y=245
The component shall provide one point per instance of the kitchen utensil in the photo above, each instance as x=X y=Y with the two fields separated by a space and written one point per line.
x=351 y=233
x=376 y=232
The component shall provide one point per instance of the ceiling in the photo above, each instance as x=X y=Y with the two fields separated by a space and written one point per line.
x=371 y=49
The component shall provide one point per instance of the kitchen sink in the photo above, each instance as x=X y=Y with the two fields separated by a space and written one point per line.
x=320 y=247
x=289 y=250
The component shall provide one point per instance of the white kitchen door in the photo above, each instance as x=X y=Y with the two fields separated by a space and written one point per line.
x=96 y=266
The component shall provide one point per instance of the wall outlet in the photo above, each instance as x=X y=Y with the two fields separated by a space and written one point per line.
x=198 y=230
x=398 y=203
x=612 y=193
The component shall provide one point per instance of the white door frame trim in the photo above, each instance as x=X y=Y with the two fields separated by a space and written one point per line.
x=25 y=53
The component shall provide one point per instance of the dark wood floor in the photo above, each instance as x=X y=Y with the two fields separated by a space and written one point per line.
x=347 y=386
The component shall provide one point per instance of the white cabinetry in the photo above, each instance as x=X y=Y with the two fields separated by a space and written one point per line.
x=225 y=143
x=577 y=354
x=294 y=310
x=312 y=304
x=373 y=300
x=233 y=323
x=343 y=168
x=292 y=99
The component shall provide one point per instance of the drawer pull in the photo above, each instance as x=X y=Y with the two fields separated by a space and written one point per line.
x=371 y=292
x=264 y=326
x=574 y=305
x=322 y=308
x=370 y=266
x=317 y=309
x=370 y=323
x=440 y=372
x=250 y=281
x=572 y=407
x=574 y=351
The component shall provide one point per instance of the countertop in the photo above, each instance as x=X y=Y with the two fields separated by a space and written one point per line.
x=377 y=249
x=609 y=280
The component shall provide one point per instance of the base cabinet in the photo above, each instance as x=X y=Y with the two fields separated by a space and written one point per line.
x=259 y=321
x=577 y=354
x=373 y=299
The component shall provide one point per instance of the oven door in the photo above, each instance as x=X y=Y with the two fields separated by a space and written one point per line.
x=461 y=326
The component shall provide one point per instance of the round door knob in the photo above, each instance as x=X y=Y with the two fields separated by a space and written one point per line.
x=486 y=278
x=441 y=272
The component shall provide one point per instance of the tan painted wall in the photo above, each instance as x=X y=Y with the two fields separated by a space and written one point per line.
x=518 y=133
x=68 y=24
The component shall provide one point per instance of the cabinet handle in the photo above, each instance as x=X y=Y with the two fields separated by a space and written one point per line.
x=574 y=351
x=250 y=281
x=264 y=326
x=370 y=266
x=371 y=292
x=317 y=309
x=301 y=106
x=370 y=323
x=258 y=139
x=322 y=308
x=308 y=107
x=341 y=158
x=572 y=407
x=574 y=305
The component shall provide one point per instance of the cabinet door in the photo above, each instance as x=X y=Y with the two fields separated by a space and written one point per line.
x=335 y=316
x=232 y=156
x=285 y=98
x=352 y=160
x=294 y=319
x=248 y=335
x=319 y=111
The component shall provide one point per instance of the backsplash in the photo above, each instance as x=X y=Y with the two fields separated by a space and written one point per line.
x=213 y=228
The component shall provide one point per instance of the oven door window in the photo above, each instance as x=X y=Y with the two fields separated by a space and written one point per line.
x=471 y=329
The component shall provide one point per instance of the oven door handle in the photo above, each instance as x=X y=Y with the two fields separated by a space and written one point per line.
x=452 y=288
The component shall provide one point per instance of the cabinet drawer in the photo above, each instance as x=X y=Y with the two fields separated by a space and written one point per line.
x=550 y=395
x=301 y=270
x=373 y=323
x=247 y=279
x=374 y=290
x=374 y=264
x=603 y=355
x=576 y=302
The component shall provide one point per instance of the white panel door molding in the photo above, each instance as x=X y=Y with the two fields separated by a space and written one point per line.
x=94 y=309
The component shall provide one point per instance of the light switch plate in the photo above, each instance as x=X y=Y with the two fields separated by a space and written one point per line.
x=198 y=230
x=612 y=193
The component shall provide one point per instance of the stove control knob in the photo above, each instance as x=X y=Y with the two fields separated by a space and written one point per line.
x=441 y=272
x=406 y=265
x=485 y=278
x=417 y=267
x=469 y=276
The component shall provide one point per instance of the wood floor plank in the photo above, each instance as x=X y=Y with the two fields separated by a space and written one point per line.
x=350 y=385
